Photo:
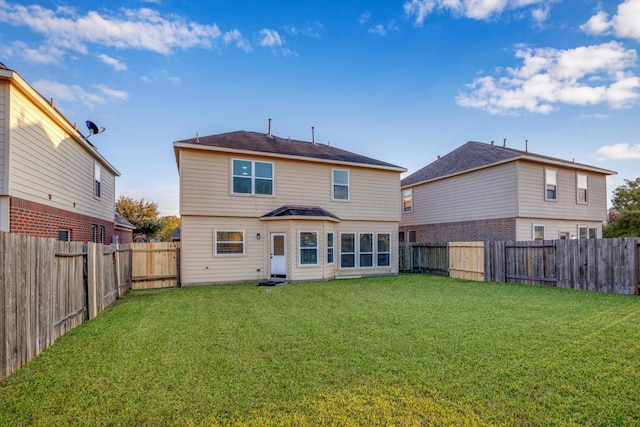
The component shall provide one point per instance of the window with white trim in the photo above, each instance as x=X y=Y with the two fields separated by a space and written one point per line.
x=97 y=186
x=407 y=200
x=347 y=250
x=64 y=235
x=229 y=242
x=330 y=247
x=252 y=177
x=585 y=232
x=384 y=250
x=551 y=184
x=538 y=232
x=308 y=247
x=581 y=188
x=365 y=249
x=94 y=233
x=340 y=181
x=412 y=236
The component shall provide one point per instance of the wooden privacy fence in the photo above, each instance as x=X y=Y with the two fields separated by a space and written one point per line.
x=603 y=265
x=156 y=265
x=49 y=287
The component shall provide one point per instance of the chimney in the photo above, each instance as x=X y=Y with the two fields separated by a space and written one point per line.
x=269 y=132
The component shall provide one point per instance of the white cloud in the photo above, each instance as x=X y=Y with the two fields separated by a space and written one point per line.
x=622 y=151
x=378 y=29
x=143 y=29
x=418 y=10
x=235 y=36
x=75 y=93
x=112 y=62
x=269 y=38
x=624 y=24
x=587 y=75
x=42 y=55
x=364 y=18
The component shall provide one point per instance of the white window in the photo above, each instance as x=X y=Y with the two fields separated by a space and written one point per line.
x=308 y=248
x=101 y=233
x=581 y=188
x=365 y=246
x=251 y=177
x=340 y=184
x=94 y=233
x=551 y=184
x=330 y=247
x=97 y=190
x=587 y=232
x=347 y=250
x=407 y=200
x=538 y=232
x=229 y=242
x=64 y=235
x=384 y=249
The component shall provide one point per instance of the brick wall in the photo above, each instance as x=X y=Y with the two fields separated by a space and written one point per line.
x=465 y=231
x=36 y=219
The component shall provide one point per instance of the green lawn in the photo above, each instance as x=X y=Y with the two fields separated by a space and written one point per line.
x=407 y=350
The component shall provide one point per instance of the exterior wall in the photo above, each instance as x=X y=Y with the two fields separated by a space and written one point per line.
x=481 y=230
x=4 y=158
x=40 y=220
x=205 y=188
x=554 y=229
x=200 y=264
x=480 y=195
x=48 y=165
x=124 y=235
x=531 y=194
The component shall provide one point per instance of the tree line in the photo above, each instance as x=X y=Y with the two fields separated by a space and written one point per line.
x=146 y=218
x=624 y=214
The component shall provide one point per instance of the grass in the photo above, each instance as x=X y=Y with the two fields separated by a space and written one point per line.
x=407 y=350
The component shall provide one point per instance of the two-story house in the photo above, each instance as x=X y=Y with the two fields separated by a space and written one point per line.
x=53 y=182
x=483 y=192
x=257 y=207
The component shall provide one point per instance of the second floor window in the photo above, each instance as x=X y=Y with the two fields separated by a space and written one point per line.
x=407 y=200
x=251 y=177
x=340 y=184
x=551 y=184
x=96 y=180
x=581 y=184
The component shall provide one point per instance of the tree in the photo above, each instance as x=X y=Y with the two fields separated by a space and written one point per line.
x=624 y=216
x=168 y=224
x=144 y=215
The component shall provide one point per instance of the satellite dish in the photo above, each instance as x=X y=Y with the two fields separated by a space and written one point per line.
x=93 y=129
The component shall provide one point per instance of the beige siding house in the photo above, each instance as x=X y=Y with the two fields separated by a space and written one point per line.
x=256 y=207
x=482 y=192
x=53 y=182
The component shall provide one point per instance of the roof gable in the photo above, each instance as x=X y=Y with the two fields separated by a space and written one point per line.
x=474 y=155
x=271 y=144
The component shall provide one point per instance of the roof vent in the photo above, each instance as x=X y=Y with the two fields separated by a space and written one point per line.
x=313 y=135
x=269 y=132
x=526 y=145
x=504 y=142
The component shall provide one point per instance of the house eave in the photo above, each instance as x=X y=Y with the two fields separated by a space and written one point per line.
x=300 y=217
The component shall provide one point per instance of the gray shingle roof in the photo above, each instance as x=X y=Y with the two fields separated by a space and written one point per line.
x=289 y=210
x=473 y=155
x=264 y=143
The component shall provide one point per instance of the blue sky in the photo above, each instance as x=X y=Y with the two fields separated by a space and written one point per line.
x=401 y=81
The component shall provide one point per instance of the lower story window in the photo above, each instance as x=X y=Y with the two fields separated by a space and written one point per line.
x=330 y=247
x=229 y=242
x=538 y=232
x=308 y=248
x=366 y=250
x=587 y=233
x=347 y=250
x=64 y=235
x=384 y=249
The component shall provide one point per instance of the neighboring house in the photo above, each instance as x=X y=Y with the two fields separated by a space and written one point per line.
x=483 y=192
x=255 y=207
x=53 y=182
x=123 y=230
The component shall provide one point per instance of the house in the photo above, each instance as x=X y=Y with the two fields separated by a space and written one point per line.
x=257 y=207
x=483 y=192
x=123 y=230
x=53 y=181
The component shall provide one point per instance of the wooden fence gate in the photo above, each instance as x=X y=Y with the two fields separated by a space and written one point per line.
x=156 y=265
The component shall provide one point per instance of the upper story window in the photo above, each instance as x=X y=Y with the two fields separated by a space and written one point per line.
x=581 y=188
x=407 y=200
x=340 y=184
x=96 y=180
x=252 y=177
x=551 y=184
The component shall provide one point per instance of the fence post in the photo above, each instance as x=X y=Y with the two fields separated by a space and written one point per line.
x=92 y=280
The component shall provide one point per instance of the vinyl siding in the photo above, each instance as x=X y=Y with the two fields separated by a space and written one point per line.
x=45 y=160
x=205 y=187
x=483 y=194
x=553 y=228
x=532 y=203
x=3 y=138
x=200 y=264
